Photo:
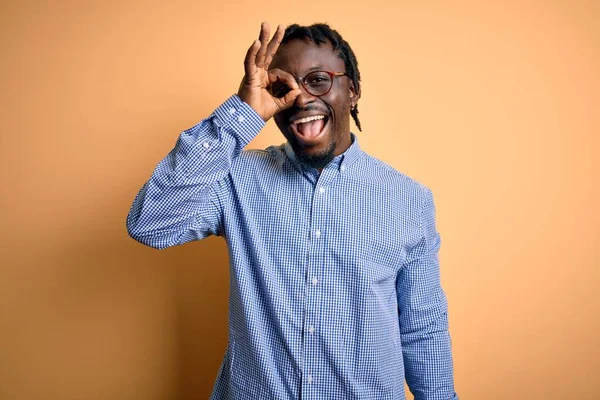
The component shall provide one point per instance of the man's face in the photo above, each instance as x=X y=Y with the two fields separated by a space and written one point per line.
x=318 y=141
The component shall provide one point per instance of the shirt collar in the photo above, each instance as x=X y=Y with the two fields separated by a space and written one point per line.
x=340 y=163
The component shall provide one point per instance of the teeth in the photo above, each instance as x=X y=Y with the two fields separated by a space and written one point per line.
x=308 y=119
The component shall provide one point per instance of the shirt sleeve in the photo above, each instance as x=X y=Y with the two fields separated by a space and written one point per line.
x=183 y=200
x=423 y=314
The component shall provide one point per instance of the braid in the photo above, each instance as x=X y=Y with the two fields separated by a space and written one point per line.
x=322 y=33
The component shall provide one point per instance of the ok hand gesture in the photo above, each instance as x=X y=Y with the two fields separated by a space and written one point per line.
x=257 y=79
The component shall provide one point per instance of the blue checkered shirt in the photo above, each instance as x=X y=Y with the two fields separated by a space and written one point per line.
x=335 y=284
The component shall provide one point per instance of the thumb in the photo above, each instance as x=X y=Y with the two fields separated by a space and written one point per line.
x=288 y=100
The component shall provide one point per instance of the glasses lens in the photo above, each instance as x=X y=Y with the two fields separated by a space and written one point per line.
x=279 y=89
x=318 y=83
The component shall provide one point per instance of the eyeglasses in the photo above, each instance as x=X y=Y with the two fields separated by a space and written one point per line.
x=316 y=83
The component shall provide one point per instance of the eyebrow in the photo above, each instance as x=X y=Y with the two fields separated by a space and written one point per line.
x=316 y=68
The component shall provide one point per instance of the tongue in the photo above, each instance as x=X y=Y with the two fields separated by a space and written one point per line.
x=312 y=128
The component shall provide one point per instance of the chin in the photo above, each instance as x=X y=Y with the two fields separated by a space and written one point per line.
x=315 y=158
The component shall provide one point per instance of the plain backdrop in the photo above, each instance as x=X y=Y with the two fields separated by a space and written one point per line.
x=493 y=105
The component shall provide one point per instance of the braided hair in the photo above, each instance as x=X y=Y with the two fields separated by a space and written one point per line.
x=322 y=33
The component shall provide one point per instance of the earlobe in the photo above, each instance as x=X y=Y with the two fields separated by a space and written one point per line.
x=353 y=98
x=353 y=95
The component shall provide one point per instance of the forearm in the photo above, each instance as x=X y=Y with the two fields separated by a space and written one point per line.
x=428 y=360
x=179 y=202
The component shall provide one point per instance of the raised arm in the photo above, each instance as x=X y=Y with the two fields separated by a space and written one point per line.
x=183 y=200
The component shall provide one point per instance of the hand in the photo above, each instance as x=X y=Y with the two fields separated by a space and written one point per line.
x=257 y=79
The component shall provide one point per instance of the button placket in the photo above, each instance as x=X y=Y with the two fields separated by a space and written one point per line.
x=312 y=352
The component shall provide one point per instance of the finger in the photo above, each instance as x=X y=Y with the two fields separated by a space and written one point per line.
x=265 y=32
x=250 y=61
x=278 y=75
x=274 y=45
x=288 y=100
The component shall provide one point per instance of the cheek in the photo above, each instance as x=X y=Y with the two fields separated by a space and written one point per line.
x=340 y=106
x=343 y=102
x=342 y=112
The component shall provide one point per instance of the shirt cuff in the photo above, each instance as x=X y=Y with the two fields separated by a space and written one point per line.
x=240 y=117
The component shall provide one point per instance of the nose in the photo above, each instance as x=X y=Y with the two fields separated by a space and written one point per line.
x=304 y=98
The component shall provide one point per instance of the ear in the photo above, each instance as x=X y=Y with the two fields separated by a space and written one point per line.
x=353 y=95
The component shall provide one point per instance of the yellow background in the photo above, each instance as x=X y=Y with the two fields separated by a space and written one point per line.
x=493 y=105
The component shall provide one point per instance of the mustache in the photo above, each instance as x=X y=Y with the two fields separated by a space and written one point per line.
x=310 y=107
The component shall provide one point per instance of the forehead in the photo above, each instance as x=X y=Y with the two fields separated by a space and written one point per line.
x=299 y=57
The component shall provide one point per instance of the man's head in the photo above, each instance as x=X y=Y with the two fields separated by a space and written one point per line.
x=318 y=125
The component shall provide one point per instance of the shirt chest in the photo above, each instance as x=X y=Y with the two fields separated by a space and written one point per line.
x=348 y=219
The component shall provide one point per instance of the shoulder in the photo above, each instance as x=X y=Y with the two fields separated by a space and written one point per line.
x=394 y=182
x=252 y=161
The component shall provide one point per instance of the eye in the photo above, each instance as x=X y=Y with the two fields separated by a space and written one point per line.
x=279 y=89
x=318 y=79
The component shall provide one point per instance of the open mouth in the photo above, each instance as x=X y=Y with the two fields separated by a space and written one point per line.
x=309 y=130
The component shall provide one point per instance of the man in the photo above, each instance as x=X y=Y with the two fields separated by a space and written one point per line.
x=335 y=286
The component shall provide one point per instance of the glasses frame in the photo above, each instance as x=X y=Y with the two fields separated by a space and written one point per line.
x=332 y=75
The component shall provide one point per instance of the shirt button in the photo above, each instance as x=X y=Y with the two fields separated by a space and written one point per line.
x=322 y=190
x=311 y=329
x=205 y=145
x=343 y=167
x=314 y=281
x=317 y=233
x=241 y=118
x=232 y=110
x=309 y=379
